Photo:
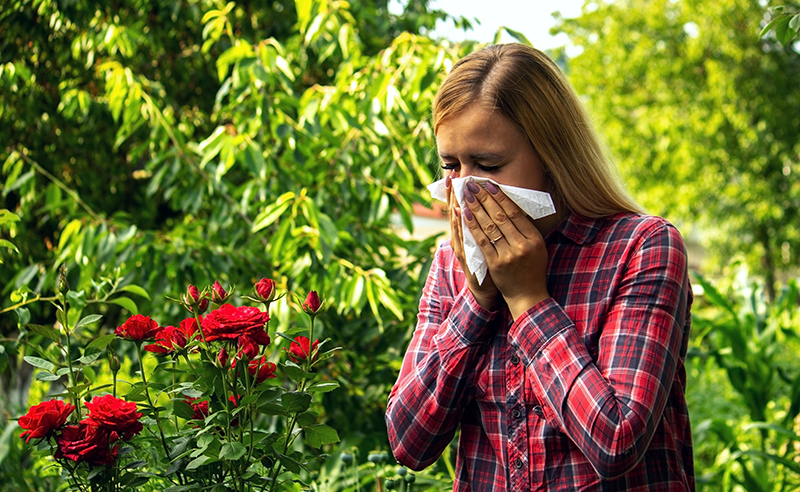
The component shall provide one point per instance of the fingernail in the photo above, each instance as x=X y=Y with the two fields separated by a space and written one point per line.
x=468 y=212
x=448 y=181
x=468 y=194
x=491 y=188
x=473 y=187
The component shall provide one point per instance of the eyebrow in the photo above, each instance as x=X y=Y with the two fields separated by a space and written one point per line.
x=478 y=157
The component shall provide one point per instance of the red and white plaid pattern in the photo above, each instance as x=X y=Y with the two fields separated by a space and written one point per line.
x=585 y=391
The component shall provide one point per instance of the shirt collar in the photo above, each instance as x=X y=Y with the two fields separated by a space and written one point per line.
x=579 y=229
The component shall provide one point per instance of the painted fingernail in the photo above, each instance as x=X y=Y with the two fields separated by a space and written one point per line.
x=448 y=181
x=468 y=212
x=473 y=187
x=491 y=188
x=468 y=194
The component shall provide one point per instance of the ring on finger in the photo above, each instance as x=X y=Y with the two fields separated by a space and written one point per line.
x=492 y=241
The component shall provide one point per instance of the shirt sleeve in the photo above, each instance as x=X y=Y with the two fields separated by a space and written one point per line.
x=428 y=400
x=610 y=405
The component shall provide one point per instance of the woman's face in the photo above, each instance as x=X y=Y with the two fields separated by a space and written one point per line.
x=481 y=142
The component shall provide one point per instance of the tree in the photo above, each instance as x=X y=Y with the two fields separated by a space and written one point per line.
x=703 y=117
x=152 y=142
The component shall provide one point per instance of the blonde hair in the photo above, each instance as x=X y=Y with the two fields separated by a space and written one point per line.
x=529 y=89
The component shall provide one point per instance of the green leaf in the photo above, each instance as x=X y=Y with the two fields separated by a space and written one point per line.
x=518 y=36
x=288 y=463
x=198 y=462
x=296 y=402
x=232 y=451
x=126 y=303
x=101 y=342
x=88 y=320
x=89 y=358
x=182 y=409
x=44 y=331
x=135 y=289
x=40 y=363
x=9 y=245
x=323 y=386
x=320 y=434
x=272 y=211
x=46 y=376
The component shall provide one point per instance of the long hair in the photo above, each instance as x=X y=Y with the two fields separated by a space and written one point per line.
x=529 y=89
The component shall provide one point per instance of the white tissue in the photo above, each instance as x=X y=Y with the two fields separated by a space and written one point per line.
x=535 y=203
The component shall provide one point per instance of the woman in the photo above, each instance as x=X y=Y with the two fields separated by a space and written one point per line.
x=564 y=369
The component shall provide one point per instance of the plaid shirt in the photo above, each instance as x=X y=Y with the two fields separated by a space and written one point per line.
x=585 y=391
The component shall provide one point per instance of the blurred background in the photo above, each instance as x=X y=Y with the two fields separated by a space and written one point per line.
x=150 y=144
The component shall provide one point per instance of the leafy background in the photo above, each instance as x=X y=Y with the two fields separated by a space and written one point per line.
x=149 y=144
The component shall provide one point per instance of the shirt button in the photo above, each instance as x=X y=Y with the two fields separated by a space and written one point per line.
x=518 y=463
x=516 y=413
x=514 y=359
x=538 y=411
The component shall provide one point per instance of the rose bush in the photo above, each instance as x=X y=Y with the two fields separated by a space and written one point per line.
x=219 y=422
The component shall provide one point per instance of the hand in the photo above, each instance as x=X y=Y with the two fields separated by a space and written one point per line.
x=515 y=251
x=486 y=294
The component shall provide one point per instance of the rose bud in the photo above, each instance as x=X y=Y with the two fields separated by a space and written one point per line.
x=113 y=362
x=312 y=303
x=222 y=357
x=192 y=299
x=299 y=350
x=265 y=289
x=44 y=418
x=261 y=369
x=137 y=327
x=248 y=347
x=218 y=294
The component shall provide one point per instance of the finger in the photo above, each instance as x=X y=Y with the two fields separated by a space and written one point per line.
x=485 y=232
x=502 y=214
x=454 y=216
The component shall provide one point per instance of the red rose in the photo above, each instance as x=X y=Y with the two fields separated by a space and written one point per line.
x=200 y=409
x=249 y=347
x=312 y=303
x=265 y=288
x=218 y=294
x=171 y=339
x=168 y=340
x=114 y=414
x=231 y=323
x=262 y=369
x=192 y=299
x=137 y=327
x=86 y=443
x=44 y=418
x=299 y=349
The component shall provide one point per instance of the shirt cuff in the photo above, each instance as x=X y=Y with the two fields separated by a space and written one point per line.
x=546 y=337
x=468 y=319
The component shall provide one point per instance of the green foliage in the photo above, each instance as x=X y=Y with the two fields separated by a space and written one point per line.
x=703 y=117
x=786 y=23
x=152 y=143
x=753 y=341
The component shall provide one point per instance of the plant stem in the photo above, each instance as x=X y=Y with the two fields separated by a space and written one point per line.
x=26 y=302
x=75 y=398
x=150 y=400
